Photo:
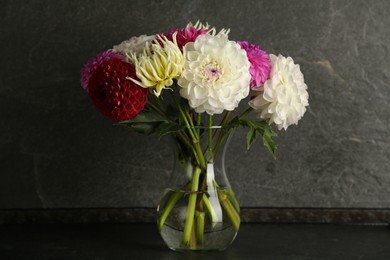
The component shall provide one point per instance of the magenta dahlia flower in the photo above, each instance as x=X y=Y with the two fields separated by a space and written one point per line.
x=260 y=68
x=90 y=67
x=188 y=34
x=113 y=94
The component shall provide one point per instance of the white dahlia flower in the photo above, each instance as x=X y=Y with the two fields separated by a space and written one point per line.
x=134 y=44
x=216 y=74
x=283 y=98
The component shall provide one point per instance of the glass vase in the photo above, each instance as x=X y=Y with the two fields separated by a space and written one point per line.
x=199 y=210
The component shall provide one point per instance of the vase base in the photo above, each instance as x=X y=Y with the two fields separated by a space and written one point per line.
x=184 y=250
x=218 y=240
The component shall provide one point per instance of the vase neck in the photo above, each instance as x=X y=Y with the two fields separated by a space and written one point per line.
x=214 y=166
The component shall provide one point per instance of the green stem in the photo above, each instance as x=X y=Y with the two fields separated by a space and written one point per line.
x=156 y=108
x=183 y=138
x=209 y=209
x=198 y=122
x=245 y=113
x=189 y=128
x=196 y=141
x=210 y=147
x=221 y=137
x=200 y=155
x=168 y=208
x=226 y=118
x=224 y=131
x=190 y=120
x=199 y=215
x=230 y=210
x=197 y=158
x=192 y=131
x=232 y=198
x=191 y=208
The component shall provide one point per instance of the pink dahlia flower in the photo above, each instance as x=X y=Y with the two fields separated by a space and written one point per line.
x=183 y=36
x=260 y=68
x=90 y=67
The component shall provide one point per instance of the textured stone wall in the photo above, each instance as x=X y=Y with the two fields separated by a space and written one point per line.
x=57 y=151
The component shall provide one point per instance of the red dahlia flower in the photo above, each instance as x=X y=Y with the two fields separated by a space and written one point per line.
x=113 y=95
x=90 y=67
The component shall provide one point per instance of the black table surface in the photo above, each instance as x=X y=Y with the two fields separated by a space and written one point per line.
x=142 y=241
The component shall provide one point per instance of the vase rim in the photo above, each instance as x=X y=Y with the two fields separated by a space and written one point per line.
x=205 y=127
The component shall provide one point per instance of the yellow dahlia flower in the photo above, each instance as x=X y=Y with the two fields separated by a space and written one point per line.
x=158 y=65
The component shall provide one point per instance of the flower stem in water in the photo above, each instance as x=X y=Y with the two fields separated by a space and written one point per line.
x=191 y=208
x=230 y=210
x=199 y=227
x=210 y=210
x=168 y=207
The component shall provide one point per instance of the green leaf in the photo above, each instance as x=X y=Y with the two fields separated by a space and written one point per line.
x=265 y=130
x=267 y=133
x=150 y=122
x=146 y=122
x=145 y=116
x=270 y=144
x=165 y=128
x=231 y=124
x=250 y=137
x=144 y=128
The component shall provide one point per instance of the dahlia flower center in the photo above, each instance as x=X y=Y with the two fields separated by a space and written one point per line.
x=212 y=71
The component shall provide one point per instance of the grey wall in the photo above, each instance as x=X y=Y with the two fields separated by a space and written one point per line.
x=57 y=151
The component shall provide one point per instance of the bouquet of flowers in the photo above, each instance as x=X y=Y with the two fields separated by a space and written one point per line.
x=186 y=83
